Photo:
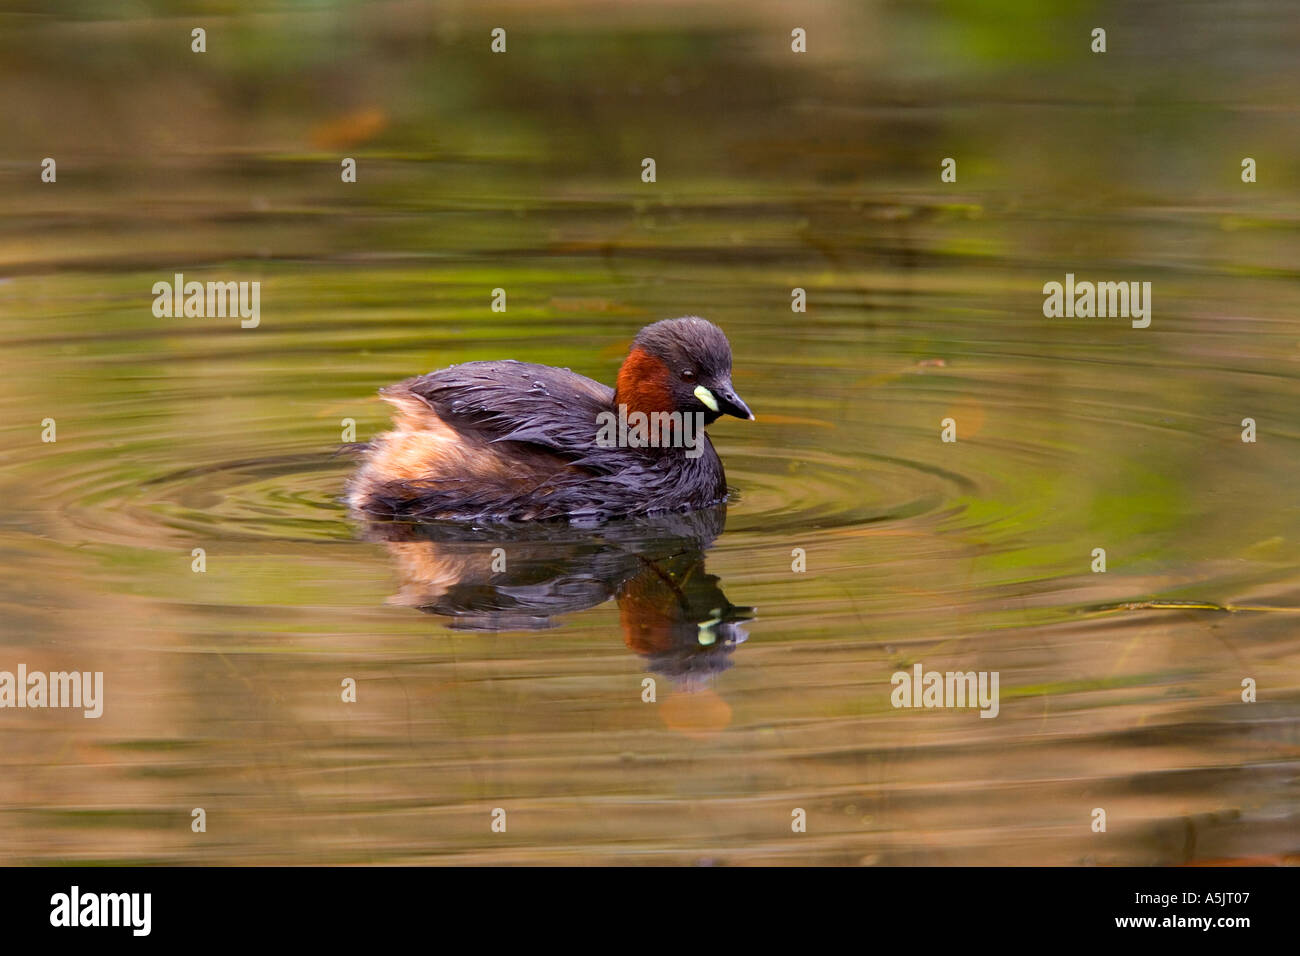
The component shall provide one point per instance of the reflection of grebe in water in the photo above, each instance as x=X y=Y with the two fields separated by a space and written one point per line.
x=520 y=577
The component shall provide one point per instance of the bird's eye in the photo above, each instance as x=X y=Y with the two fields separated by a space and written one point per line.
x=688 y=375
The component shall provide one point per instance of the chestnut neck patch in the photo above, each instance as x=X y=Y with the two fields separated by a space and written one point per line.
x=642 y=383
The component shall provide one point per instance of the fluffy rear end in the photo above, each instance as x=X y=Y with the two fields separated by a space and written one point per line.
x=424 y=469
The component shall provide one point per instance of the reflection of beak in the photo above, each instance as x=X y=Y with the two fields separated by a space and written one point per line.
x=725 y=623
x=729 y=403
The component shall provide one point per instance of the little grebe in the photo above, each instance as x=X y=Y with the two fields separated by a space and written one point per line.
x=501 y=441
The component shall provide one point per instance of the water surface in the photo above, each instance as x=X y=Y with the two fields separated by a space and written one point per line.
x=524 y=690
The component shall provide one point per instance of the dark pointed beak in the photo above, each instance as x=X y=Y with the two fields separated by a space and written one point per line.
x=729 y=403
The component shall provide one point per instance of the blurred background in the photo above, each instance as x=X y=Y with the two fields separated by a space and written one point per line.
x=775 y=170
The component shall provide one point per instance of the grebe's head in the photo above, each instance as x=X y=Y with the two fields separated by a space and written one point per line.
x=680 y=365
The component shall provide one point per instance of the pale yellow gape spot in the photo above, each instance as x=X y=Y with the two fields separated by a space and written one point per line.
x=704 y=395
x=705 y=628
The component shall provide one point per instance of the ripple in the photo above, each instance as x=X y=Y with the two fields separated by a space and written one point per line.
x=298 y=497
x=281 y=497
x=786 y=489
